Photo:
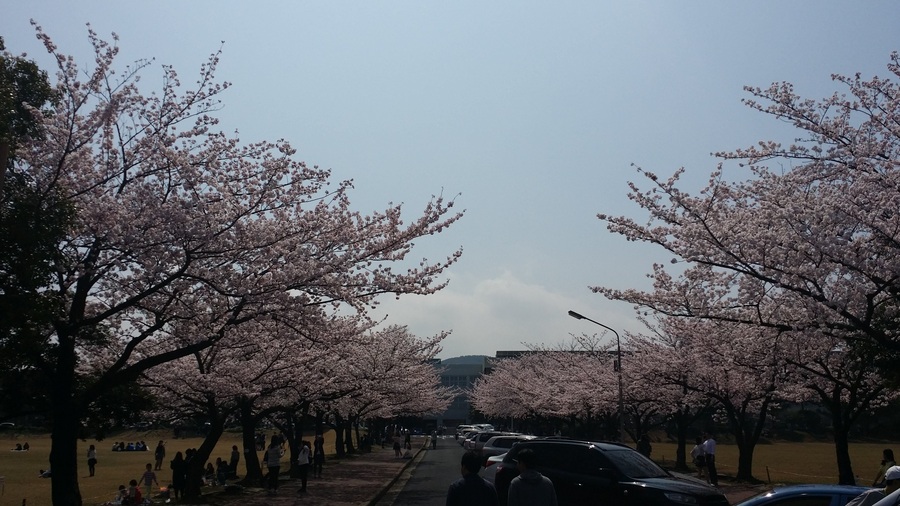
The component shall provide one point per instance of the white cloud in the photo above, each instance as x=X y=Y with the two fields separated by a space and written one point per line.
x=502 y=312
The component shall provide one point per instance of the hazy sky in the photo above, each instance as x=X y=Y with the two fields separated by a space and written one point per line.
x=530 y=113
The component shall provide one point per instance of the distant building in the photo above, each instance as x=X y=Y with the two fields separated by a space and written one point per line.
x=461 y=372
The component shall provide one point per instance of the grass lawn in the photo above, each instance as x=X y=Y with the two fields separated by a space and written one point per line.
x=19 y=470
x=778 y=463
x=791 y=462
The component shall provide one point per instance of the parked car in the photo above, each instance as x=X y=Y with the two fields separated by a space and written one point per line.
x=464 y=438
x=589 y=473
x=498 y=445
x=477 y=440
x=461 y=429
x=806 y=495
x=490 y=467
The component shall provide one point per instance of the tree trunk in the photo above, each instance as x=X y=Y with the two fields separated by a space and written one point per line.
x=745 y=461
x=841 y=428
x=248 y=431
x=359 y=437
x=197 y=465
x=681 y=428
x=339 y=436
x=320 y=422
x=746 y=432
x=348 y=436
x=842 y=452
x=64 y=433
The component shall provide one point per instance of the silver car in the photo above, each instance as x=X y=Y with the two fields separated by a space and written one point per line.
x=498 y=445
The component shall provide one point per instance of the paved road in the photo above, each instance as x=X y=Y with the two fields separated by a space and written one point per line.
x=425 y=482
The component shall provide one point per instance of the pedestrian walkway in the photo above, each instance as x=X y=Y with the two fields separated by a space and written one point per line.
x=356 y=480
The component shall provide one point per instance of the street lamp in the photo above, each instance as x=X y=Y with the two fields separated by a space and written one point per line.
x=617 y=366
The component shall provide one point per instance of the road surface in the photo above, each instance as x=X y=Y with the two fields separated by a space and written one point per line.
x=425 y=482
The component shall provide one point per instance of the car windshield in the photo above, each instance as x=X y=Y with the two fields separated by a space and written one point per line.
x=634 y=465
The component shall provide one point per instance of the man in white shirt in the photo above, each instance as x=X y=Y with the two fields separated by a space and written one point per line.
x=870 y=497
x=709 y=449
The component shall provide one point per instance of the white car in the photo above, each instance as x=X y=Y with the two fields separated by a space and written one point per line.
x=490 y=467
x=498 y=445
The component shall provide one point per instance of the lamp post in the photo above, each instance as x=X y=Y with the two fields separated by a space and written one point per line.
x=617 y=367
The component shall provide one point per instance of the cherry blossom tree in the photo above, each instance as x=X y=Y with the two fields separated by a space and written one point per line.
x=576 y=387
x=845 y=381
x=182 y=233
x=818 y=228
x=261 y=366
x=661 y=366
x=393 y=374
x=740 y=367
x=804 y=252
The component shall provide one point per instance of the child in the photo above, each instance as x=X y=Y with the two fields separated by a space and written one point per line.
x=134 y=494
x=149 y=479
x=221 y=471
x=209 y=475
x=120 y=498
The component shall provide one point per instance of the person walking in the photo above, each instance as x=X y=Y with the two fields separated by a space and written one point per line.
x=92 y=460
x=272 y=460
x=159 y=454
x=709 y=456
x=698 y=455
x=303 y=461
x=471 y=489
x=149 y=479
x=318 y=455
x=530 y=488
x=643 y=446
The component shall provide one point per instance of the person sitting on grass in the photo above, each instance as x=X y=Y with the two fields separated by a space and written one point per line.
x=120 y=498
x=222 y=471
x=134 y=497
x=209 y=475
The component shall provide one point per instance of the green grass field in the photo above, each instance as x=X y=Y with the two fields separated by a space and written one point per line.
x=778 y=462
x=792 y=462
x=21 y=477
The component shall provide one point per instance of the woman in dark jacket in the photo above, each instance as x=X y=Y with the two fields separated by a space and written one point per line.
x=179 y=474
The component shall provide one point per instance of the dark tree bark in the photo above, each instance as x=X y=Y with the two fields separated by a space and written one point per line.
x=248 y=431
x=339 y=436
x=197 y=464
x=64 y=433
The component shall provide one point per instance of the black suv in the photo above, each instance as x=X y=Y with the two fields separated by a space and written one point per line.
x=586 y=473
